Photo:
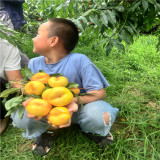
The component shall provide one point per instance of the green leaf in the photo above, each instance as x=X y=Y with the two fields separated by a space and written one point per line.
x=104 y=18
x=65 y=5
x=14 y=102
x=96 y=44
x=12 y=110
x=25 y=98
x=47 y=86
x=109 y=47
x=4 y=35
x=145 y=4
x=9 y=30
x=158 y=44
x=28 y=72
x=125 y=36
x=8 y=85
x=59 y=7
x=157 y=7
x=133 y=27
x=56 y=75
x=33 y=96
x=79 y=24
x=136 y=5
x=41 y=71
x=72 y=85
x=24 y=80
x=7 y=92
x=21 y=111
x=4 y=101
x=75 y=6
x=119 y=45
x=111 y=17
x=129 y=28
x=84 y=21
x=153 y=1
x=89 y=12
x=120 y=8
x=94 y=19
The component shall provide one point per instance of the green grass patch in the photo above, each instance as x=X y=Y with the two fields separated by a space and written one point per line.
x=135 y=90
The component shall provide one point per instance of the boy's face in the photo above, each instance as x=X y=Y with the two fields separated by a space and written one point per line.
x=41 y=42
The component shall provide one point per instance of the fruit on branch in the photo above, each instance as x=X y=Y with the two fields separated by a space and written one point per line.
x=34 y=87
x=59 y=116
x=40 y=76
x=38 y=107
x=75 y=90
x=58 y=81
x=58 y=96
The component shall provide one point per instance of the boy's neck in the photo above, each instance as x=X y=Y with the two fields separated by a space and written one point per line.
x=54 y=57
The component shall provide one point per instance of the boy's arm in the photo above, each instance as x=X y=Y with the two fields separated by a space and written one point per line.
x=99 y=94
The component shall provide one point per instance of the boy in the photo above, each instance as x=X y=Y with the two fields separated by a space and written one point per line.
x=54 y=42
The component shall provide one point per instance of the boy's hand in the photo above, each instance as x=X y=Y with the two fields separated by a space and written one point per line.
x=34 y=117
x=72 y=107
x=25 y=103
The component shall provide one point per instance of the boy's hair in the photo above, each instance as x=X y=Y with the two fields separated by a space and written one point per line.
x=66 y=30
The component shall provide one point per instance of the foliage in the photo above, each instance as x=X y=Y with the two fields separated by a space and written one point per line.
x=19 y=39
x=15 y=103
x=119 y=21
x=115 y=21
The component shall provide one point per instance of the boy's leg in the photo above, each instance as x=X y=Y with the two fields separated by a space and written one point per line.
x=35 y=129
x=32 y=127
x=96 y=117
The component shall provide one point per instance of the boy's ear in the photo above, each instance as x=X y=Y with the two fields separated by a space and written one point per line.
x=54 y=41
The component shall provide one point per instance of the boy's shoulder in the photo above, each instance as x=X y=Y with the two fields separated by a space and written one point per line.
x=76 y=58
x=37 y=59
x=79 y=60
x=36 y=62
x=79 y=57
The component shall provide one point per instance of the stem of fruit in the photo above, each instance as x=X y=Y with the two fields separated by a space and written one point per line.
x=79 y=100
x=16 y=82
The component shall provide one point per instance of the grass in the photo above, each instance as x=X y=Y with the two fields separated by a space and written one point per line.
x=135 y=90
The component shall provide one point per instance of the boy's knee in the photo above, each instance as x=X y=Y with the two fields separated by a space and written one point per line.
x=94 y=115
x=106 y=118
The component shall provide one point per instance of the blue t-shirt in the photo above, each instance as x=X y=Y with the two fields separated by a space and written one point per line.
x=76 y=68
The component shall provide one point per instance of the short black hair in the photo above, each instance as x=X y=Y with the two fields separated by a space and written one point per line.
x=66 y=30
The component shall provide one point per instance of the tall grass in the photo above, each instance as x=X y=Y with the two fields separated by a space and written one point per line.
x=135 y=90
